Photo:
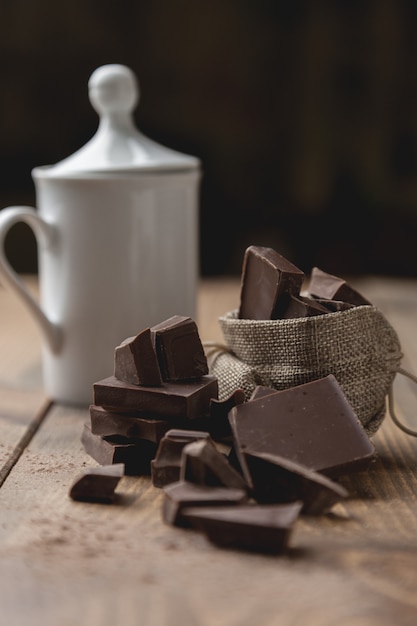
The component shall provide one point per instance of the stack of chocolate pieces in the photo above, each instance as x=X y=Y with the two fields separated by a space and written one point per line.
x=160 y=381
x=271 y=289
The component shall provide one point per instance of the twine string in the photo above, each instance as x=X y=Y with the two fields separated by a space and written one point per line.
x=391 y=411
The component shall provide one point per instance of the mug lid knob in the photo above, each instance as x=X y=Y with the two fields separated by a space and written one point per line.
x=113 y=90
x=118 y=146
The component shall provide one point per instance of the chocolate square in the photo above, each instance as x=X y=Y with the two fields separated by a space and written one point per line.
x=330 y=287
x=188 y=400
x=109 y=423
x=166 y=466
x=277 y=479
x=179 y=349
x=180 y=494
x=135 y=455
x=135 y=360
x=203 y=464
x=311 y=424
x=252 y=527
x=97 y=484
x=267 y=280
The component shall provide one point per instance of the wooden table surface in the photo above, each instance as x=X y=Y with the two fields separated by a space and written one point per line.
x=71 y=563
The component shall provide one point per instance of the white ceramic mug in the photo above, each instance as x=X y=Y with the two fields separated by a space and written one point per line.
x=117 y=253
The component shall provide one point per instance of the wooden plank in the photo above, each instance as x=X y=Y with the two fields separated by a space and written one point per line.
x=65 y=562
x=20 y=342
x=22 y=401
x=123 y=561
x=21 y=414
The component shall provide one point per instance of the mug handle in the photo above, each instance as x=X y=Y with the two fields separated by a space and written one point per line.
x=45 y=234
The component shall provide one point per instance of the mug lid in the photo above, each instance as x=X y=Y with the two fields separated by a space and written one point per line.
x=118 y=146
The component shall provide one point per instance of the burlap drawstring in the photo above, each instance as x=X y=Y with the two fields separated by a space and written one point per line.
x=397 y=422
x=358 y=346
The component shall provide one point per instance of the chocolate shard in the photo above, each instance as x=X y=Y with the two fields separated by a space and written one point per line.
x=312 y=424
x=217 y=422
x=203 y=464
x=97 y=484
x=179 y=349
x=267 y=280
x=277 y=479
x=181 y=494
x=166 y=466
x=187 y=400
x=259 y=528
x=302 y=306
x=135 y=360
x=333 y=306
x=136 y=455
x=220 y=408
x=330 y=287
x=109 y=423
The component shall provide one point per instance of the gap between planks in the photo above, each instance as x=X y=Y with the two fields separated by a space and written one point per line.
x=25 y=440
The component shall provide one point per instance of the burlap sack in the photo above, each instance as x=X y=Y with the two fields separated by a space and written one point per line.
x=358 y=346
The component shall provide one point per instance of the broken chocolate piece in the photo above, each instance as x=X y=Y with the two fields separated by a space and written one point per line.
x=177 y=438
x=135 y=361
x=109 y=423
x=302 y=306
x=181 y=494
x=179 y=349
x=166 y=466
x=136 y=455
x=267 y=276
x=333 y=306
x=312 y=424
x=277 y=479
x=217 y=422
x=97 y=484
x=219 y=409
x=324 y=285
x=187 y=400
x=252 y=527
x=203 y=464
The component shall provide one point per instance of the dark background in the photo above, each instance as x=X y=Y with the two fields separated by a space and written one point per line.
x=304 y=114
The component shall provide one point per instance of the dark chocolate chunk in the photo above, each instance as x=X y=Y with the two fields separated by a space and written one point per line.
x=136 y=455
x=97 y=484
x=302 y=306
x=179 y=349
x=267 y=277
x=311 y=424
x=187 y=400
x=260 y=528
x=135 y=360
x=277 y=479
x=219 y=409
x=324 y=285
x=177 y=438
x=166 y=466
x=109 y=423
x=181 y=494
x=217 y=422
x=203 y=464
x=334 y=305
